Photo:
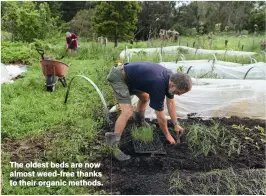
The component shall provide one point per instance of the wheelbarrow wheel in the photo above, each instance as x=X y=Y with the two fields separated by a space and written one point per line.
x=50 y=83
x=50 y=88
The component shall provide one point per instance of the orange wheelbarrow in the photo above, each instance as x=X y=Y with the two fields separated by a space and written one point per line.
x=53 y=71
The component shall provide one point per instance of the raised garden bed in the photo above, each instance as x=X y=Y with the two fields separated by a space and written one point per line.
x=174 y=172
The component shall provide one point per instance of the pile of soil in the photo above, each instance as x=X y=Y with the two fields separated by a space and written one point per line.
x=151 y=174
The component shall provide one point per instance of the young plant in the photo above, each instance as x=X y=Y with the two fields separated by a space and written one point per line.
x=143 y=134
x=261 y=129
x=228 y=181
x=210 y=139
x=181 y=68
x=239 y=127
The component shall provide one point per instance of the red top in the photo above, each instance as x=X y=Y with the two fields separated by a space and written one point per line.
x=72 y=44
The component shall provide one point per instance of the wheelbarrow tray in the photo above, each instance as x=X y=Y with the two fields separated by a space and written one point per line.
x=53 y=67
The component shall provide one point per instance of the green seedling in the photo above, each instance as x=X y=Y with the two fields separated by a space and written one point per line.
x=211 y=139
x=239 y=127
x=143 y=134
x=257 y=146
x=247 y=181
x=261 y=129
x=248 y=138
x=180 y=68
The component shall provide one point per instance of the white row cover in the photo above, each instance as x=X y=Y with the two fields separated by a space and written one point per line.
x=200 y=67
x=173 y=50
x=8 y=72
x=219 y=98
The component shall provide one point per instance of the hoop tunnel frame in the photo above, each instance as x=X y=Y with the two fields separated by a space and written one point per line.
x=98 y=91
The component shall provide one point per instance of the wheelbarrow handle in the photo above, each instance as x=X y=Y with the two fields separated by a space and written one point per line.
x=40 y=51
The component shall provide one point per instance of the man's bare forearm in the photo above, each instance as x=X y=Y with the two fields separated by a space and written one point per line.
x=171 y=106
x=162 y=122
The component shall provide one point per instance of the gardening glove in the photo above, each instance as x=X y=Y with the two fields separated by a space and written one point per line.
x=113 y=139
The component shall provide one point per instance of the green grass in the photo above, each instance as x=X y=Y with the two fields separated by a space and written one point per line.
x=250 y=43
x=27 y=107
x=203 y=140
x=28 y=110
x=142 y=134
x=219 y=182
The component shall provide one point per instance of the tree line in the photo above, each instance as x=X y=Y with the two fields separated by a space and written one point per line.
x=125 y=20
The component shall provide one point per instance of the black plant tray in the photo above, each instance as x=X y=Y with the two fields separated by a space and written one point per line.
x=153 y=147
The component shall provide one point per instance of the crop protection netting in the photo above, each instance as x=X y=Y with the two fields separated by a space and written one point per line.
x=218 y=98
x=173 y=50
x=8 y=72
x=199 y=68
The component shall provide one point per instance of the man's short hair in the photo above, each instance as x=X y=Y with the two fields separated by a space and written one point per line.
x=182 y=81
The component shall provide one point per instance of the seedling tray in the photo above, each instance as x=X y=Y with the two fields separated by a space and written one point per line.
x=153 y=147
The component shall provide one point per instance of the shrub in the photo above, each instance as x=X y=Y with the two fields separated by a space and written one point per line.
x=26 y=21
x=16 y=52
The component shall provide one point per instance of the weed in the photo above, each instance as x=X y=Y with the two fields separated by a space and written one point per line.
x=175 y=181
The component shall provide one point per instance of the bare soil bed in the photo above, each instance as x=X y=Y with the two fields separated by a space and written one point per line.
x=151 y=174
x=162 y=174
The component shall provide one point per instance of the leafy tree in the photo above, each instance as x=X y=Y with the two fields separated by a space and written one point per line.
x=257 y=17
x=230 y=14
x=55 y=8
x=82 y=24
x=155 y=15
x=187 y=17
x=70 y=8
x=116 y=19
x=27 y=22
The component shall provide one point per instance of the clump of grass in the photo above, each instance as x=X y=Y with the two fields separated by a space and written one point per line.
x=220 y=182
x=143 y=134
x=211 y=139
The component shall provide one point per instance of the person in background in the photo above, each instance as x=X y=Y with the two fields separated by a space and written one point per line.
x=149 y=82
x=71 y=42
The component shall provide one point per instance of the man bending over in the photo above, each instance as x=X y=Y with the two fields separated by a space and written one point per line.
x=148 y=81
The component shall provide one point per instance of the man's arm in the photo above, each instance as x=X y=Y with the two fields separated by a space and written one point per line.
x=171 y=109
x=163 y=126
x=171 y=106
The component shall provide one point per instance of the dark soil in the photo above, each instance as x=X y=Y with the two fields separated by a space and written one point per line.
x=150 y=174
x=25 y=150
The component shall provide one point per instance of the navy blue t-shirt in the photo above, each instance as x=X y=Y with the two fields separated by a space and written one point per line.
x=151 y=78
